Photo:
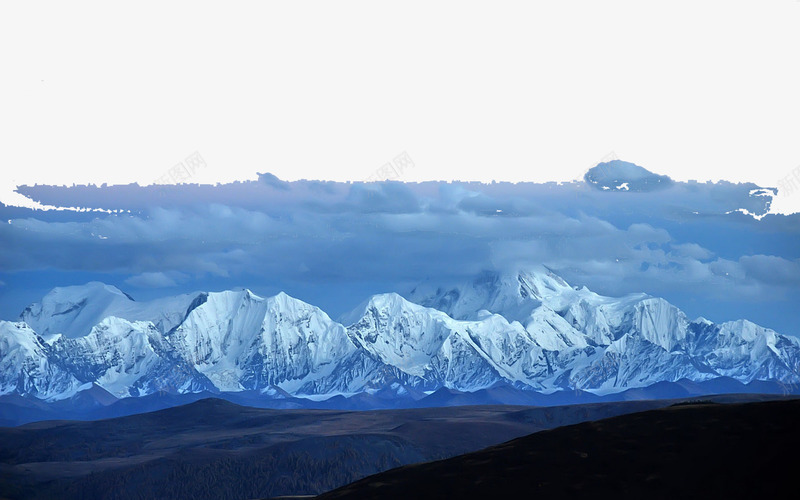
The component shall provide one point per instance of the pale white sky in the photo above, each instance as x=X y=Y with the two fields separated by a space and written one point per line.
x=110 y=92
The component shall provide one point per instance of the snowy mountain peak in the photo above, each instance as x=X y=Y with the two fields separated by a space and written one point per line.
x=92 y=289
x=659 y=322
x=74 y=310
x=295 y=308
x=379 y=302
x=19 y=334
x=540 y=282
x=526 y=327
x=113 y=325
x=400 y=333
x=513 y=294
x=26 y=368
x=391 y=301
x=286 y=302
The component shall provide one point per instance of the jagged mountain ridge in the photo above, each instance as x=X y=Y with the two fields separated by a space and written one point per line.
x=529 y=329
x=73 y=311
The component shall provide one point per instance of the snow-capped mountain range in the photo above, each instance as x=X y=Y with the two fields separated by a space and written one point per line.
x=529 y=329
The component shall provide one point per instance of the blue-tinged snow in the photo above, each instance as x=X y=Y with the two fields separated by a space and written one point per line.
x=527 y=328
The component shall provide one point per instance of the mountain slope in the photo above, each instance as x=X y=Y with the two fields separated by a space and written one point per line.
x=244 y=342
x=27 y=368
x=683 y=451
x=604 y=344
x=212 y=449
x=128 y=359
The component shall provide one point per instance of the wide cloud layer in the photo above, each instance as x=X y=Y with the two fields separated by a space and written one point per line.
x=685 y=241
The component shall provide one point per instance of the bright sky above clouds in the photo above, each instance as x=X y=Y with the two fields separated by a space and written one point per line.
x=117 y=93
x=100 y=92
